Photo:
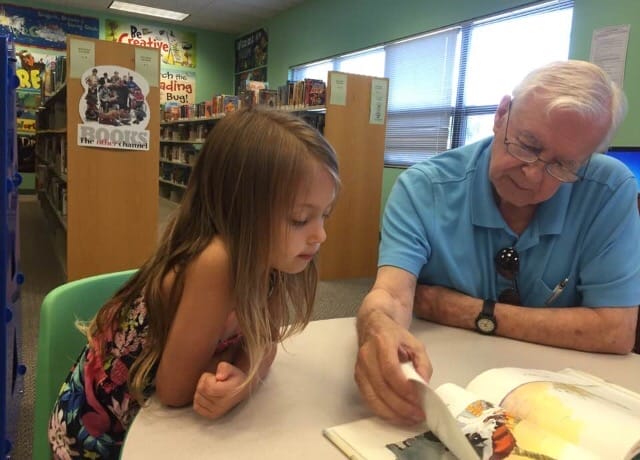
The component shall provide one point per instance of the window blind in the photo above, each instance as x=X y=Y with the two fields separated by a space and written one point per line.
x=421 y=74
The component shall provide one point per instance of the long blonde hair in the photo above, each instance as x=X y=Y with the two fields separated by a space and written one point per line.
x=242 y=186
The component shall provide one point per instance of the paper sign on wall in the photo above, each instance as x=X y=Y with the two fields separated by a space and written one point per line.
x=338 y=85
x=609 y=50
x=83 y=56
x=378 y=109
x=148 y=65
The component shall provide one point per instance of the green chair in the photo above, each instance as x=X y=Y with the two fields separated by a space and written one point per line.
x=60 y=342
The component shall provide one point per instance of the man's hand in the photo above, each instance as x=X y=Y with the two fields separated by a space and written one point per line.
x=385 y=389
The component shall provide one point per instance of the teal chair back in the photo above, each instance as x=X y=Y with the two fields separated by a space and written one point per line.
x=60 y=342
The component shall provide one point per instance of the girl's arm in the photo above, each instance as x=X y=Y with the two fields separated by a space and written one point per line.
x=219 y=392
x=199 y=323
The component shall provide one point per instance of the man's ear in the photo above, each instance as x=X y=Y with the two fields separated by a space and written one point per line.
x=500 y=115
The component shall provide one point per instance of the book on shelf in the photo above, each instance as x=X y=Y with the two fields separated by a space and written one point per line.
x=246 y=98
x=208 y=108
x=268 y=97
x=255 y=87
x=230 y=103
x=507 y=413
x=314 y=92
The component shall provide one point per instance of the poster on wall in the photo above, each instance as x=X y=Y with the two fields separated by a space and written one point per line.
x=177 y=48
x=177 y=87
x=44 y=28
x=251 y=51
x=113 y=109
x=31 y=66
x=251 y=59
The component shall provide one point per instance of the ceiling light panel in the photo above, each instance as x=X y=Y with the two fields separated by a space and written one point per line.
x=148 y=11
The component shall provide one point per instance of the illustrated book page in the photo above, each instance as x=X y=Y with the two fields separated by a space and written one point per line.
x=585 y=410
x=506 y=413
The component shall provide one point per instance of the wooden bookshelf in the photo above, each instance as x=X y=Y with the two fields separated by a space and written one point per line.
x=351 y=249
x=110 y=220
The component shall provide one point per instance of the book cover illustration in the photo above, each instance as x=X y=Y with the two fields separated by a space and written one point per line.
x=229 y=103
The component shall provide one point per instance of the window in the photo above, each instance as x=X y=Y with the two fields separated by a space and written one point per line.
x=444 y=86
x=368 y=62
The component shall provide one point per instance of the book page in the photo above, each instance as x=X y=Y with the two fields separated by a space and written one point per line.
x=440 y=419
x=495 y=433
x=583 y=409
x=374 y=439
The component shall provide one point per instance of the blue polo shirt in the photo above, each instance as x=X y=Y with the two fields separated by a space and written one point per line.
x=441 y=223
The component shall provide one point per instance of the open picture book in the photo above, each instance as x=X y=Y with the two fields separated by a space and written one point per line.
x=506 y=413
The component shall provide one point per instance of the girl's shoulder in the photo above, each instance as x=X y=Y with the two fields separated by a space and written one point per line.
x=214 y=256
x=212 y=265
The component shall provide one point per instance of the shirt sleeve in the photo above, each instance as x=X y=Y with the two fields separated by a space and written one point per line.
x=404 y=242
x=610 y=270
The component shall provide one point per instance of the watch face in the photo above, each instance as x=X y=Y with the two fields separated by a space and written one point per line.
x=485 y=325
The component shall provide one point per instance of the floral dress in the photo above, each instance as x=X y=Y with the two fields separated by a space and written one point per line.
x=94 y=407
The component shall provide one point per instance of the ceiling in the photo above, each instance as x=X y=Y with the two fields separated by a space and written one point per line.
x=228 y=16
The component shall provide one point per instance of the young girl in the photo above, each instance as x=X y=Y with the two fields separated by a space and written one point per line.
x=233 y=275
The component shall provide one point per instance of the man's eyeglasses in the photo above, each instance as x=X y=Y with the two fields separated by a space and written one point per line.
x=508 y=265
x=561 y=171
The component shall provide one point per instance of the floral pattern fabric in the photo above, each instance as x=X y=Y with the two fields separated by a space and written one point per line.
x=94 y=407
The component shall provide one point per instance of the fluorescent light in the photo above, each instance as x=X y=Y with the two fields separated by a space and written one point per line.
x=149 y=11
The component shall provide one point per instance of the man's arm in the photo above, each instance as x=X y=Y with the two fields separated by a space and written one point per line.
x=602 y=329
x=384 y=342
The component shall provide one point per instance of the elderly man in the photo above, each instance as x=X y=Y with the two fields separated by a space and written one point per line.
x=527 y=234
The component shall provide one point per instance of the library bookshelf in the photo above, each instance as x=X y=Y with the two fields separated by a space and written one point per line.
x=102 y=202
x=180 y=143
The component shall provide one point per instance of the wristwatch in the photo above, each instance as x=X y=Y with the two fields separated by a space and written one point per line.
x=486 y=322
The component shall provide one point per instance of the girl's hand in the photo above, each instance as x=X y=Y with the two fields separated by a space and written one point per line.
x=218 y=393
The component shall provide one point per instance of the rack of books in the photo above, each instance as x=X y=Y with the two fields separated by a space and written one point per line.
x=10 y=330
x=51 y=157
x=185 y=127
x=55 y=77
x=180 y=141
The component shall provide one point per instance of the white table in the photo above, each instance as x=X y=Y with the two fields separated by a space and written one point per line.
x=311 y=387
